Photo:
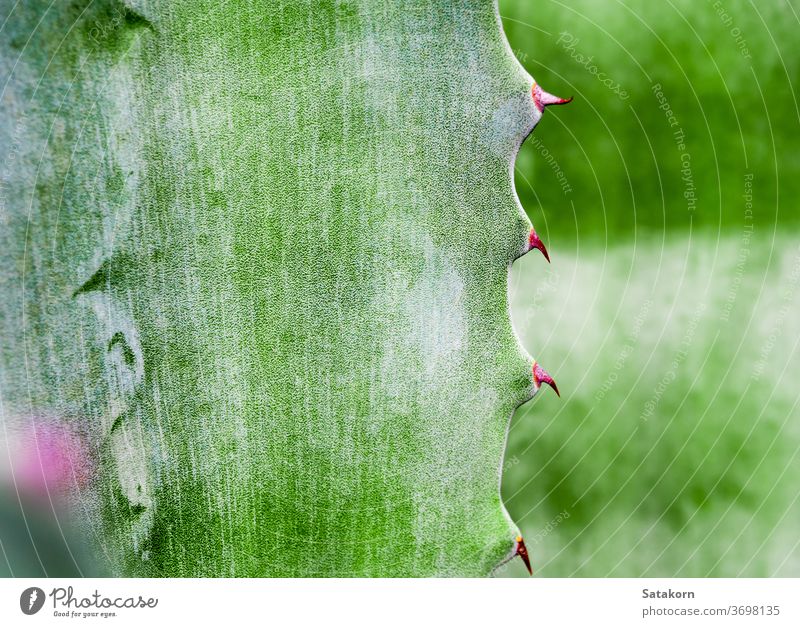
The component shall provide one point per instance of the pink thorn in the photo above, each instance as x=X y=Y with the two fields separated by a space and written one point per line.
x=540 y=376
x=542 y=99
x=535 y=242
x=521 y=550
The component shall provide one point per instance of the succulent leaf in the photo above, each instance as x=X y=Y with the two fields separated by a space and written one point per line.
x=257 y=253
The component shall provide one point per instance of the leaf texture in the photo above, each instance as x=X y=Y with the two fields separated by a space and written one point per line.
x=257 y=253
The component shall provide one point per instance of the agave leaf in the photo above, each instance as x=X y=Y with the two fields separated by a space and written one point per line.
x=257 y=254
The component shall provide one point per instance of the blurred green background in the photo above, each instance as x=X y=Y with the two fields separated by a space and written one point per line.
x=669 y=316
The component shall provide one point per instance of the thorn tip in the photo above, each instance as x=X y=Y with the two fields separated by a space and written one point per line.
x=542 y=99
x=521 y=550
x=534 y=241
x=540 y=375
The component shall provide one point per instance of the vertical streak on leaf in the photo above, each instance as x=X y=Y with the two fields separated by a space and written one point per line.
x=293 y=222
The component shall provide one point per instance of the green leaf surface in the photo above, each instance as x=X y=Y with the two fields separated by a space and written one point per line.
x=257 y=254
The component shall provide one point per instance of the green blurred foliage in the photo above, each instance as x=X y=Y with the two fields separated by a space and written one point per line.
x=675 y=448
x=673 y=334
x=619 y=154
